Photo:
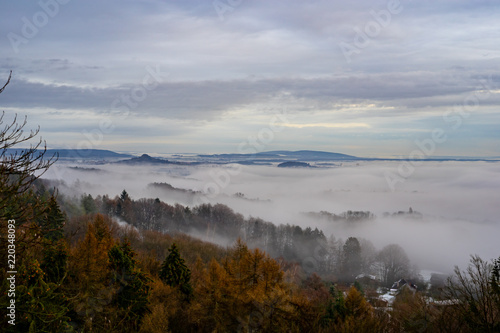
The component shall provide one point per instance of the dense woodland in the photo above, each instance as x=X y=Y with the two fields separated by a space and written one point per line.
x=79 y=270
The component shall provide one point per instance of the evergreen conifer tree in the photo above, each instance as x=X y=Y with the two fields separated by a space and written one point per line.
x=175 y=273
x=53 y=221
x=351 y=258
x=133 y=284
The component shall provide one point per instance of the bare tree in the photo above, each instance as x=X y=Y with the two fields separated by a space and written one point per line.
x=393 y=263
x=368 y=254
x=19 y=167
x=475 y=307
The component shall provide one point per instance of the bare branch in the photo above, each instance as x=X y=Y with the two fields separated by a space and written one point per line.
x=5 y=85
x=21 y=167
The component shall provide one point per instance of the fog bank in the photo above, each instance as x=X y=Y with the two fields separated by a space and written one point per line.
x=458 y=200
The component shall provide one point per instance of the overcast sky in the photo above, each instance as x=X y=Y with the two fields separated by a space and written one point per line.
x=367 y=78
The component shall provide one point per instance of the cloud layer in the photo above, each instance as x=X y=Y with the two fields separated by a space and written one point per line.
x=457 y=200
x=407 y=63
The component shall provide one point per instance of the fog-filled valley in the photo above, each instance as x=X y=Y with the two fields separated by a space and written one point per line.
x=454 y=204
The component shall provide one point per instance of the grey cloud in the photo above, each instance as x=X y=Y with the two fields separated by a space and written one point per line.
x=429 y=58
x=207 y=99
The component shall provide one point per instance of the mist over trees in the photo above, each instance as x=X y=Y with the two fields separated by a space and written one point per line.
x=351 y=258
x=219 y=223
x=393 y=263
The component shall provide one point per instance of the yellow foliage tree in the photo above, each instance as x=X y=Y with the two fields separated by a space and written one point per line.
x=246 y=293
x=90 y=273
x=360 y=316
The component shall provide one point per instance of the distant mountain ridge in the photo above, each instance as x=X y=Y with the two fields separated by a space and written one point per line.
x=294 y=164
x=146 y=159
x=76 y=153
x=283 y=155
x=260 y=158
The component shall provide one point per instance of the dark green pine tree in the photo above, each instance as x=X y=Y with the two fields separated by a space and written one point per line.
x=53 y=221
x=55 y=253
x=175 y=273
x=359 y=287
x=336 y=309
x=88 y=204
x=41 y=306
x=495 y=276
x=495 y=284
x=124 y=196
x=133 y=285
x=55 y=257
x=351 y=258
